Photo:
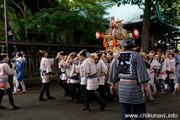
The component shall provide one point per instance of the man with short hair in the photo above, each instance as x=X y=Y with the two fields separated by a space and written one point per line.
x=130 y=69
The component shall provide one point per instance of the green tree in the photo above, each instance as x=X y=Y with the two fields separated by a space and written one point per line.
x=53 y=20
x=18 y=15
x=170 y=11
x=2 y=33
x=85 y=20
x=85 y=17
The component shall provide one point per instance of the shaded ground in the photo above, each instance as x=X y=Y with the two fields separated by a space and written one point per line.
x=63 y=109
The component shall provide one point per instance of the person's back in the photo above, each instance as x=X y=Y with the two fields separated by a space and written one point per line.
x=129 y=69
x=128 y=65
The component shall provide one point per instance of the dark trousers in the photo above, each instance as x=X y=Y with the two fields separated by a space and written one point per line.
x=162 y=84
x=71 y=94
x=75 y=89
x=89 y=95
x=9 y=92
x=138 y=109
x=102 y=92
x=83 y=89
x=64 y=85
x=45 y=86
x=170 y=83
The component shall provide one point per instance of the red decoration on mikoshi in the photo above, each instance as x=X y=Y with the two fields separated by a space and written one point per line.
x=136 y=33
x=107 y=44
x=98 y=35
x=114 y=42
x=114 y=32
x=112 y=22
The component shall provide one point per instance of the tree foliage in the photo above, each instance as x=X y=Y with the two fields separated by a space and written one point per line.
x=170 y=10
x=82 y=17
x=2 y=34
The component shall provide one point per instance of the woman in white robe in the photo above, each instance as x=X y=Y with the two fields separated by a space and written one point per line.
x=63 y=78
x=45 y=74
x=5 y=72
x=162 y=72
x=154 y=67
x=90 y=72
x=102 y=72
x=172 y=71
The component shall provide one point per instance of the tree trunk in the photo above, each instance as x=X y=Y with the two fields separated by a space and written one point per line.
x=146 y=26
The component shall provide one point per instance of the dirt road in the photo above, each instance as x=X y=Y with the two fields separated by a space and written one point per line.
x=63 y=109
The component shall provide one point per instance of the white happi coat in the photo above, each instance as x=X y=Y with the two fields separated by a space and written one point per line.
x=154 y=65
x=5 y=71
x=172 y=73
x=165 y=67
x=102 y=71
x=74 y=71
x=45 y=66
x=83 y=79
x=68 y=67
x=63 y=70
x=67 y=74
x=90 y=69
x=149 y=73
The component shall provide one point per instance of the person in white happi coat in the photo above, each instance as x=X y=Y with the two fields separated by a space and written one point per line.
x=172 y=72
x=45 y=74
x=74 y=78
x=154 y=67
x=5 y=72
x=63 y=78
x=102 y=71
x=162 y=72
x=68 y=66
x=91 y=73
x=83 y=79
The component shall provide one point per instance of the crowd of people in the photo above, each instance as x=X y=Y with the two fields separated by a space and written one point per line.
x=84 y=74
x=81 y=75
x=162 y=66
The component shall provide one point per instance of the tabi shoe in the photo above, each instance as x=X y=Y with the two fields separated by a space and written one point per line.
x=76 y=101
x=42 y=99
x=102 y=107
x=13 y=107
x=151 y=97
x=24 y=91
x=2 y=107
x=163 y=91
x=85 y=109
x=15 y=92
x=50 y=97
